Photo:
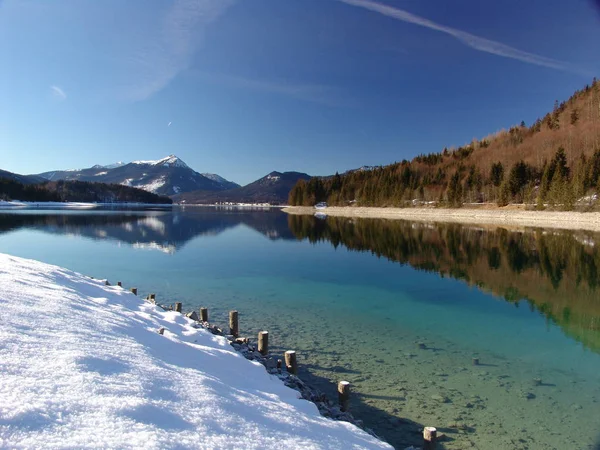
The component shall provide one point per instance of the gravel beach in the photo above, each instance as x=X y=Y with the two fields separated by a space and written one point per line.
x=499 y=217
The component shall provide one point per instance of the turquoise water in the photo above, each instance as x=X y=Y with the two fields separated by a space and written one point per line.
x=524 y=302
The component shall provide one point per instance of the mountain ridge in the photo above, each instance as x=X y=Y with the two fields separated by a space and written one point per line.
x=273 y=188
x=166 y=176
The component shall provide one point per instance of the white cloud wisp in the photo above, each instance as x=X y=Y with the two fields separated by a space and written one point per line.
x=170 y=51
x=58 y=93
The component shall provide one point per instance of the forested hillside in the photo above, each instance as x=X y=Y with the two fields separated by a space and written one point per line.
x=76 y=191
x=554 y=162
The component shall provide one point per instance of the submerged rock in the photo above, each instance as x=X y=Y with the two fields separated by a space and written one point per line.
x=440 y=398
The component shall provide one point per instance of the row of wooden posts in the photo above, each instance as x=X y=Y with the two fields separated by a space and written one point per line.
x=291 y=363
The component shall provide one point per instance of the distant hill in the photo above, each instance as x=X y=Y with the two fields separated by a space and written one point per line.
x=75 y=191
x=554 y=161
x=25 y=179
x=273 y=188
x=166 y=176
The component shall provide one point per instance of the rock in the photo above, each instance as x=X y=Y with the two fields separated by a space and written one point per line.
x=192 y=315
x=526 y=395
x=271 y=364
x=440 y=398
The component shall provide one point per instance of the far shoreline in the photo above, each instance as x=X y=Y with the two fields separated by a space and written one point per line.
x=568 y=220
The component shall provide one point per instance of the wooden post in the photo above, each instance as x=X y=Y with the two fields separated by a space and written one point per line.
x=263 y=342
x=290 y=362
x=429 y=438
x=106 y=283
x=344 y=395
x=234 y=324
x=134 y=291
x=119 y=284
x=475 y=361
x=161 y=330
x=178 y=307
x=203 y=314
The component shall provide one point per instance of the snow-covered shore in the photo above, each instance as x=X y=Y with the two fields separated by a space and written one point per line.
x=15 y=204
x=83 y=365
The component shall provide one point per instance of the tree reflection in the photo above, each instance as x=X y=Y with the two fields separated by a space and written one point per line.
x=556 y=272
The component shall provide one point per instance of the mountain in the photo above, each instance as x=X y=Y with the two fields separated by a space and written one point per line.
x=24 y=179
x=76 y=191
x=273 y=188
x=553 y=162
x=219 y=179
x=166 y=176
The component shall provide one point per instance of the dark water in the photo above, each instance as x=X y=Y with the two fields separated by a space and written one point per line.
x=356 y=297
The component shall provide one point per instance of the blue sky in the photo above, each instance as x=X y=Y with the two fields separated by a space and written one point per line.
x=251 y=86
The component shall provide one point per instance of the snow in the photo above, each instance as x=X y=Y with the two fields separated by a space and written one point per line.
x=167 y=161
x=114 y=165
x=176 y=189
x=100 y=173
x=53 y=205
x=16 y=204
x=214 y=177
x=83 y=366
x=153 y=186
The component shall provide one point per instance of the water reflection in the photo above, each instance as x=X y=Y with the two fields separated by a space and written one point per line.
x=164 y=231
x=555 y=272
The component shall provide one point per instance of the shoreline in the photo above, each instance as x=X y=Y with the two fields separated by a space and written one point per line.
x=150 y=356
x=568 y=220
x=22 y=205
x=248 y=348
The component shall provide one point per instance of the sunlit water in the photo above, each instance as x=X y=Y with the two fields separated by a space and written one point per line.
x=353 y=315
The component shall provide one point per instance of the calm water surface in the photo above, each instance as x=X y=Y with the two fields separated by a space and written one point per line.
x=356 y=297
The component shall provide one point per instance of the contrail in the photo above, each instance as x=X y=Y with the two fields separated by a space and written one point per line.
x=473 y=41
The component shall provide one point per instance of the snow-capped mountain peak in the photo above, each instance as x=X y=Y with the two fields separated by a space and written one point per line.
x=167 y=161
x=165 y=176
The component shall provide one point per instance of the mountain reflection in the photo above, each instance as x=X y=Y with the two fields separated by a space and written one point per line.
x=555 y=272
x=164 y=231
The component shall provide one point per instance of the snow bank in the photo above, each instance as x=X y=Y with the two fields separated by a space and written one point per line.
x=16 y=204
x=83 y=365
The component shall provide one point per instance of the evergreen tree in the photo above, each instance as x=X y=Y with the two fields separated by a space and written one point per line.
x=504 y=197
x=497 y=173
x=518 y=179
x=455 y=190
x=574 y=116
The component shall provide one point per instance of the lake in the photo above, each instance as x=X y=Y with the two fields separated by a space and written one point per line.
x=400 y=309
